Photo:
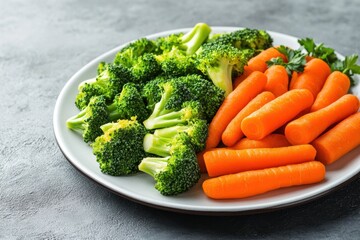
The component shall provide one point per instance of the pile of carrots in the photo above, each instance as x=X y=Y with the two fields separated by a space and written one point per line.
x=274 y=130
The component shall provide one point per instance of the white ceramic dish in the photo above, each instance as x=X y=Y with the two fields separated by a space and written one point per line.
x=140 y=187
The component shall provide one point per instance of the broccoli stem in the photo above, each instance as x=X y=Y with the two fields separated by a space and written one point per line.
x=193 y=39
x=170 y=132
x=153 y=165
x=157 y=145
x=76 y=123
x=166 y=120
x=221 y=76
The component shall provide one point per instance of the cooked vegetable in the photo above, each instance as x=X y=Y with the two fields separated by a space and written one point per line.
x=177 y=172
x=339 y=140
x=220 y=62
x=270 y=141
x=276 y=113
x=336 y=85
x=313 y=78
x=221 y=161
x=258 y=63
x=347 y=66
x=88 y=121
x=277 y=80
x=251 y=183
x=233 y=132
x=232 y=104
x=308 y=127
x=120 y=149
x=177 y=57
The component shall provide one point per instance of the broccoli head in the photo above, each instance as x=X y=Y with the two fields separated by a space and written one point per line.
x=120 y=149
x=177 y=50
x=221 y=62
x=145 y=68
x=129 y=103
x=128 y=55
x=89 y=120
x=108 y=83
x=151 y=91
x=246 y=38
x=176 y=173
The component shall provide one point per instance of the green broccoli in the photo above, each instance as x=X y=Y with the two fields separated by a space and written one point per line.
x=176 y=173
x=221 y=62
x=151 y=91
x=120 y=149
x=245 y=38
x=130 y=54
x=196 y=129
x=161 y=119
x=89 y=120
x=204 y=91
x=108 y=83
x=178 y=50
x=145 y=68
x=127 y=104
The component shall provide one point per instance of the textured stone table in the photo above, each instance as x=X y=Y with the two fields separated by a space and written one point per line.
x=43 y=43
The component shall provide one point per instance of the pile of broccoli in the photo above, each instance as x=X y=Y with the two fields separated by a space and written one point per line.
x=149 y=109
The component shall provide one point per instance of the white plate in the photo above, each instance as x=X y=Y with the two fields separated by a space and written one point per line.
x=140 y=187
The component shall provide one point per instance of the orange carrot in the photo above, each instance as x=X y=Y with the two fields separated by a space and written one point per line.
x=221 y=161
x=339 y=140
x=258 y=63
x=277 y=80
x=336 y=86
x=251 y=183
x=276 y=113
x=314 y=76
x=308 y=127
x=233 y=132
x=233 y=103
x=270 y=141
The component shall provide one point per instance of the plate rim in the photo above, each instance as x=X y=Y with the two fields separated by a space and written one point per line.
x=317 y=193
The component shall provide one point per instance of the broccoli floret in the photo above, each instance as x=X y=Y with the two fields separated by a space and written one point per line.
x=196 y=129
x=89 y=120
x=128 y=55
x=221 y=62
x=177 y=50
x=151 y=91
x=127 y=104
x=108 y=83
x=246 y=38
x=120 y=149
x=204 y=91
x=145 y=68
x=176 y=173
x=161 y=119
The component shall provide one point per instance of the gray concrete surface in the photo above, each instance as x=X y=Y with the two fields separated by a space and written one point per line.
x=43 y=43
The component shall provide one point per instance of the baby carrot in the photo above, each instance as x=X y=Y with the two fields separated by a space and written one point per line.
x=251 y=183
x=314 y=76
x=339 y=140
x=276 y=113
x=232 y=104
x=308 y=127
x=277 y=80
x=233 y=131
x=258 y=63
x=270 y=141
x=221 y=161
x=336 y=86
x=294 y=76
